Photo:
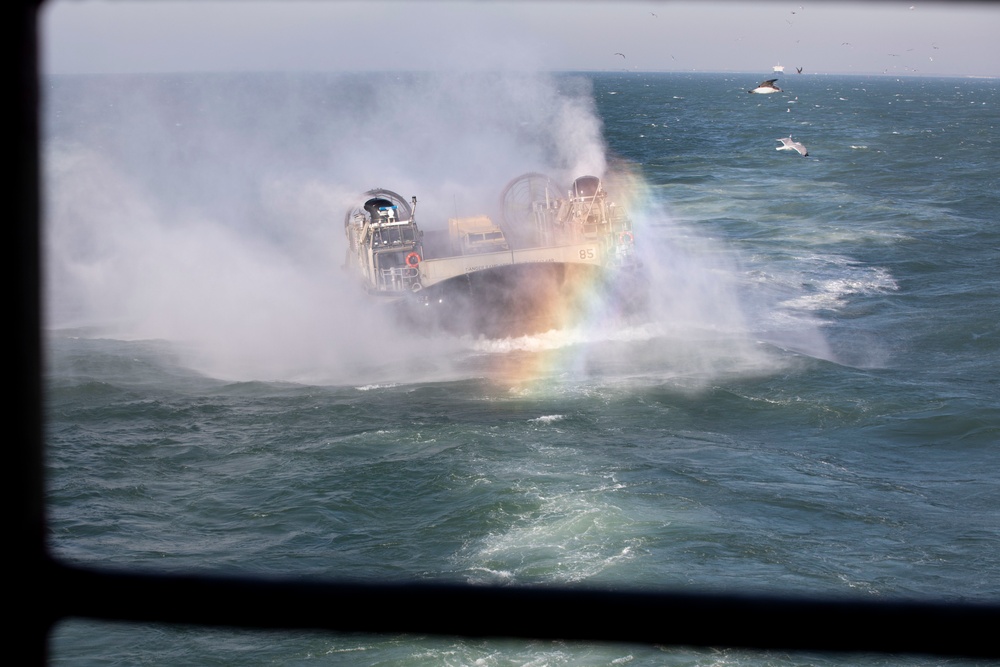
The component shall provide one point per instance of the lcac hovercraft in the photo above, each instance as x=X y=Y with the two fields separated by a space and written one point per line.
x=554 y=251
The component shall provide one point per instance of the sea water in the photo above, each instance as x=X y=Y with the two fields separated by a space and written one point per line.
x=810 y=408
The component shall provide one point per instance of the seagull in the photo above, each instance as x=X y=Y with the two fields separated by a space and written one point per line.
x=618 y=54
x=798 y=70
x=766 y=87
x=789 y=145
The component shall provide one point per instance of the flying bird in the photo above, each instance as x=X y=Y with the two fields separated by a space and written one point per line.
x=766 y=87
x=789 y=145
x=619 y=54
x=798 y=70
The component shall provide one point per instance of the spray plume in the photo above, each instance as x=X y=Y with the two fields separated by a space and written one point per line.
x=207 y=209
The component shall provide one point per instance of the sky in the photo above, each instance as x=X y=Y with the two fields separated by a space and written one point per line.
x=898 y=38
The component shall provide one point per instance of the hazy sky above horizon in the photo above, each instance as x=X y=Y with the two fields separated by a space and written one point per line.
x=934 y=39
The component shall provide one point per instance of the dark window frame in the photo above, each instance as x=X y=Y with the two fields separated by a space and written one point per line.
x=51 y=591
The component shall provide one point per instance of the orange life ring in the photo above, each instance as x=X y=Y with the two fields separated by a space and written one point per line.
x=626 y=237
x=412 y=260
